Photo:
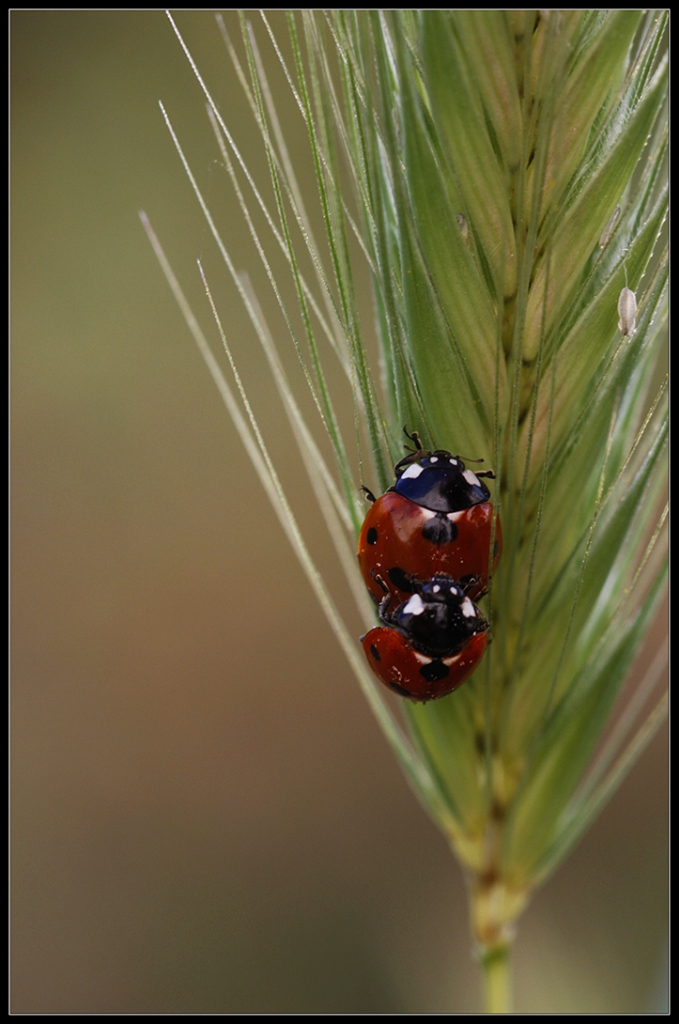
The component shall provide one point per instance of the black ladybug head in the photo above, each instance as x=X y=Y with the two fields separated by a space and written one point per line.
x=438 y=481
x=438 y=618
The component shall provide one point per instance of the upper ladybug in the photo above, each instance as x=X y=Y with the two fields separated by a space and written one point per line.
x=437 y=518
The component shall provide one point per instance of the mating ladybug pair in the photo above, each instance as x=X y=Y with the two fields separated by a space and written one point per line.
x=424 y=553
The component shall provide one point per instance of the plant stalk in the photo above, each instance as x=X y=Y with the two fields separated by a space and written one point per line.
x=495 y=907
x=496 y=980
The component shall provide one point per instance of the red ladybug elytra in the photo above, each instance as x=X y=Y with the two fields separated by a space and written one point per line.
x=430 y=644
x=437 y=518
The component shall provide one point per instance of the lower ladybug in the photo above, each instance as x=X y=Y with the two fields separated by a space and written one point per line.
x=431 y=643
x=437 y=518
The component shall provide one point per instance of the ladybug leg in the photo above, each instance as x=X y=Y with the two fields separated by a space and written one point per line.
x=369 y=494
x=383 y=606
x=379 y=581
x=468 y=582
x=487 y=472
x=383 y=610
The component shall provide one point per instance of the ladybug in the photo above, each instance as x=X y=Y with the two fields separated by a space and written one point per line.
x=437 y=518
x=431 y=643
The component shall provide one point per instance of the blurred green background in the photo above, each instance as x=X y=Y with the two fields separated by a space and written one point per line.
x=206 y=818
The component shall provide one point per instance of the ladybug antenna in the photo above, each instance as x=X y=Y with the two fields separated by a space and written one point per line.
x=487 y=472
x=369 y=494
x=415 y=438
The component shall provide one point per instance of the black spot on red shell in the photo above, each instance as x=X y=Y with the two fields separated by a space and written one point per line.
x=439 y=530
x=399 y=690
x=375 y=653
x=434 y=671
x=401 y=580
x=371 y=536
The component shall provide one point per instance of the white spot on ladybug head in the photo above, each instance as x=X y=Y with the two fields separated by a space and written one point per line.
x=453 y=462
x=471 y=478
x=467 y=609
x=436 y=588
x=415 y=605
x=412 y=472
x=433 y=458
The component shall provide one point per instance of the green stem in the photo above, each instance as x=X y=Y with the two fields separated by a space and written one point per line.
x=495 y=908
x=496 y=980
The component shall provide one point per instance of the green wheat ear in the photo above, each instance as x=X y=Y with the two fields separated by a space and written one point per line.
x=501 y=176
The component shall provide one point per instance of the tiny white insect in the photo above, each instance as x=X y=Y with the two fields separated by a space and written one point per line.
x=627 y=311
